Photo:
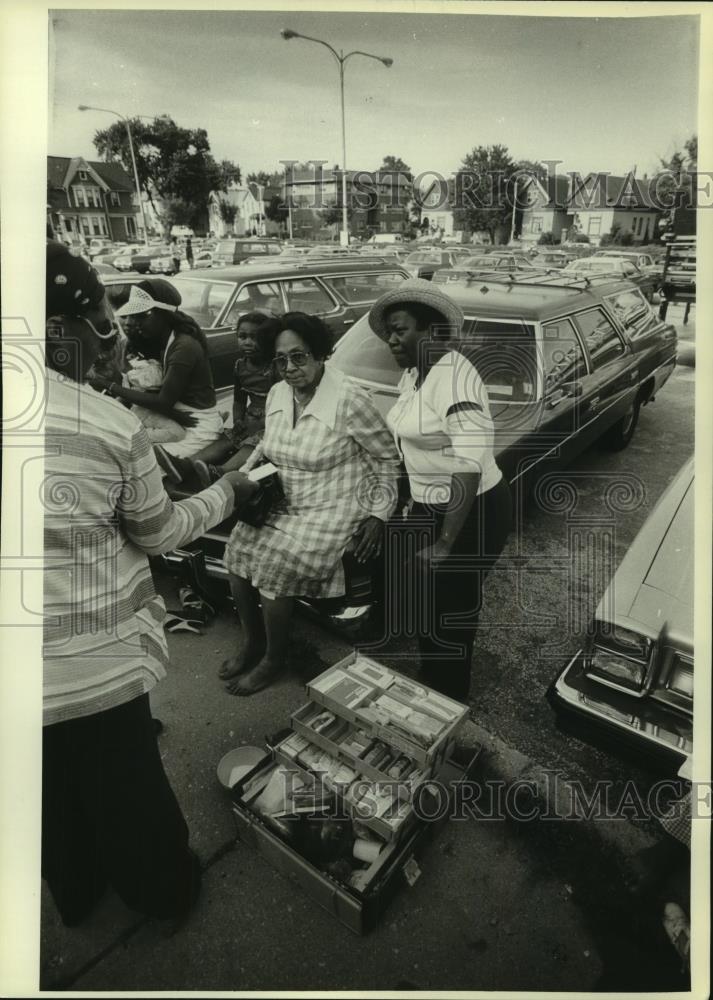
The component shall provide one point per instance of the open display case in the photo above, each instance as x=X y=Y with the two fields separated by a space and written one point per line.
x=345 y=804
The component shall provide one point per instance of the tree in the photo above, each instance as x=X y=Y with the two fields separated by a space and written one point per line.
x=276 y=210
x=174 y=164
x=675 y=183
x=395 y=163
x=547 y=239
x=484 y=190
x=261 y=177
x=227 y=211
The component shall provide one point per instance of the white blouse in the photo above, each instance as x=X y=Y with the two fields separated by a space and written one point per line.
x=435 y=441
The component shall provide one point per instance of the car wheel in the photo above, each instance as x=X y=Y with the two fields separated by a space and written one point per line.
x=620 y=434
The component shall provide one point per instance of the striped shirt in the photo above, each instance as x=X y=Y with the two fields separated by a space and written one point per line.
x=105 y=511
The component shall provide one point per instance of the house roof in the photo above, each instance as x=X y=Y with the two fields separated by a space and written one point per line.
x=604 y=190
x=235 y=195
x=554 y=191
x=60 y=170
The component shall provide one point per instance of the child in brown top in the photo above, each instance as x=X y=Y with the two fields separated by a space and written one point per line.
x=253 y=377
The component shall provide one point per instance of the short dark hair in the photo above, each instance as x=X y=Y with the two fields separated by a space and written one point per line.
x=426 y=317
x=256 y=318
x=262 y=335
x=311 y=329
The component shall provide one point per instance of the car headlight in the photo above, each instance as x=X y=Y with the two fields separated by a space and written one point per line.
x=680 y=679
x=620 y=657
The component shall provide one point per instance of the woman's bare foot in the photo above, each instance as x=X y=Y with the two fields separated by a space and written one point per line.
x=242 y=662
x=258 y=678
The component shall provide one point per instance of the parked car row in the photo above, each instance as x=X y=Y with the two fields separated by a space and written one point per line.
x=338 y=291
x=566 y=361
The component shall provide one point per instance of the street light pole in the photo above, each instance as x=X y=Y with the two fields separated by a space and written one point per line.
x=287 y=34
x=89 y=107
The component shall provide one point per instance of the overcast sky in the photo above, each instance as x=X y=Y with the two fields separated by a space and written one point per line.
x=597 y=94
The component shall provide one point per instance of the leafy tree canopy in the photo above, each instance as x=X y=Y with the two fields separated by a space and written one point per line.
x=172 y=162
x=396 y=163
x=484 y=190
x=260 y=177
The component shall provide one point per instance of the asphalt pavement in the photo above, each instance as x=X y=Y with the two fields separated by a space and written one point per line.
x=499 y=905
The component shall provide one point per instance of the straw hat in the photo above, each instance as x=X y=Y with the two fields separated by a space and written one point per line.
x=415 y=290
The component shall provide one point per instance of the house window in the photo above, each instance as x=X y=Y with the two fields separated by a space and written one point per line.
x=82 y=174
x=130 y=226
x=80 y=198
x=594 y=225
x=114 y=198
x=536 y=224
x=86 y=227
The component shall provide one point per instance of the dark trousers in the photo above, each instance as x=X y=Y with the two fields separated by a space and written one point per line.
x=109 y=817
x=449 y=599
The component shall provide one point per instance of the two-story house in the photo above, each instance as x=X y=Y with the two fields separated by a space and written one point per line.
x=377 y=200
x=601 y=202
x=89 y=198
x=544 y=207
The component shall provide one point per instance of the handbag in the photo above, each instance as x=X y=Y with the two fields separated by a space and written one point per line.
x=269 y=495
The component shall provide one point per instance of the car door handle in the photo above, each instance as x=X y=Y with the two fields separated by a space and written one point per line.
x=594 y=402
x=634 y=375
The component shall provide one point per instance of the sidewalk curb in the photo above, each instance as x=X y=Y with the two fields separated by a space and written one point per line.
x=506 y=764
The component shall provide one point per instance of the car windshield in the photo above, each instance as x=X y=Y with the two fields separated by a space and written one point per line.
x=486 y=260
x=424 y=257
x=202 y=299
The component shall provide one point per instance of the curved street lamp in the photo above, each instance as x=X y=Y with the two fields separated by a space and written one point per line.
x=288 y=34
x=125 y=120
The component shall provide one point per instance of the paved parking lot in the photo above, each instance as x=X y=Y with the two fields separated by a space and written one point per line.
x=498 y=905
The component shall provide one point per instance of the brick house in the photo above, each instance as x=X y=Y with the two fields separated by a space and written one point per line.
x=89 y=198
x=379 y=200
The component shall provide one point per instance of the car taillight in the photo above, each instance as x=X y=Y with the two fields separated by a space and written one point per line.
x=620 y=657
x=681 y=677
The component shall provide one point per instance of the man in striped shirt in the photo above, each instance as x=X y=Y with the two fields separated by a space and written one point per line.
x=109 y=813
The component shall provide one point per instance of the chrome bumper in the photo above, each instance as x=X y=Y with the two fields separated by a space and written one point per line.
x=644 y=723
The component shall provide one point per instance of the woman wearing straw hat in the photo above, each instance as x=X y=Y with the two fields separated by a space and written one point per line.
x=441 y=423
x=157 y=328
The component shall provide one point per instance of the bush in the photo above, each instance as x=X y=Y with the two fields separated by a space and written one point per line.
x=546 y=239
x=580 y=238
x=606 y=240
x=626 y=239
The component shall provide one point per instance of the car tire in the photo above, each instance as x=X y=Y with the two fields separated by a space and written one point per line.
x=620 y=434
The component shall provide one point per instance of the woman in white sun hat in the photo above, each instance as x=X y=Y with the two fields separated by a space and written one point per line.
x=441 y=423
x=156 y=328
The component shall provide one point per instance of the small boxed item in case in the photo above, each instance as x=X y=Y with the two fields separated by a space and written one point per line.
x=410 y=718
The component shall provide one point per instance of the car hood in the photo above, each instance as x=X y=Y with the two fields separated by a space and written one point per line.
x=653 y=586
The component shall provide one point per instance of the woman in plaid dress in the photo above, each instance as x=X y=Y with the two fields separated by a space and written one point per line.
x=338 y=466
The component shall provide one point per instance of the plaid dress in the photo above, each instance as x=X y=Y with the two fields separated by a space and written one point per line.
x=338 y=465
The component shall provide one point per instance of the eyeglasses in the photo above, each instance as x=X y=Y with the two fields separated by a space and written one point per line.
x=298 y=358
